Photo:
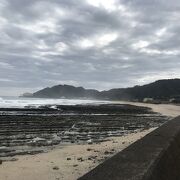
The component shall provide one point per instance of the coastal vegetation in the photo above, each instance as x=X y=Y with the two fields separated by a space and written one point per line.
x=163 y=90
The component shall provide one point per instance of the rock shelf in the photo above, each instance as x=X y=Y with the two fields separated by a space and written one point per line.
x=31 y=131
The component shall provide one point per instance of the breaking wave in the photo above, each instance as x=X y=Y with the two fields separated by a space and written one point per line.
x=15 y=102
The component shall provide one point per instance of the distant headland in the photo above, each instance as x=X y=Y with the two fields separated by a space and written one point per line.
x=167 y=90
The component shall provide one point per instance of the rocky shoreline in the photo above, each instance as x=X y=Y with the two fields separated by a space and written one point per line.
x=35 y=130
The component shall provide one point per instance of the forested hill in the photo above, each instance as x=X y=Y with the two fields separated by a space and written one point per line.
x=161 y=89
x=66 y=91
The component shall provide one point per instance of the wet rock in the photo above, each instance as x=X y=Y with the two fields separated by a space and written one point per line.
x=39 y=129
x=90 y=141
x=4 y=149
x=38 y=139
x=0 y=162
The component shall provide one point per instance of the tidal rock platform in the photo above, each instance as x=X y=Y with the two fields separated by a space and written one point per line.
x=31 y=131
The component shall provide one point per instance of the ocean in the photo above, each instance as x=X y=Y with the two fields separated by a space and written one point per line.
x=21 y=102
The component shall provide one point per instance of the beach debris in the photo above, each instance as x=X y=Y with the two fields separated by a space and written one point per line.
x=75 y=165
x=89 y=141
x=38 y=139
x=68 y=159
x=96 y=151
x=80 y=159
x=89 y=149
x=13 y=159
x=92 y=157
x=0 y=162
x=56 y=137
x=55 y=168
x=106 y=152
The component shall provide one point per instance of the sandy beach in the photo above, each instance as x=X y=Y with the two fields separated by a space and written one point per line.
x=164 y=109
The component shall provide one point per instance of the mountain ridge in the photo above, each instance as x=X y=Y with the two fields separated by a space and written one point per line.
x=160 y=89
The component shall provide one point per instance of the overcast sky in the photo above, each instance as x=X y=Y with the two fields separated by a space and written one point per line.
x=99 y=44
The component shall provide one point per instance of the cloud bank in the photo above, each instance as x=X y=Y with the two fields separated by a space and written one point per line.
x=98 y=44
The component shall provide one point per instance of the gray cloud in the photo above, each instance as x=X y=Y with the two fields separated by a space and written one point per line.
x=96 y=44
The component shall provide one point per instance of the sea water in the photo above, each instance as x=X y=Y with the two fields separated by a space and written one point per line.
x=21 y=102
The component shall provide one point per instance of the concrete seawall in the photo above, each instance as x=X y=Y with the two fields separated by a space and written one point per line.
x=154 y=157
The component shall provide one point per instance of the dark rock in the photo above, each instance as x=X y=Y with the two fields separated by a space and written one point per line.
x=96 y=151
x=106 y=152
x=89 y=149
x=80 y=159
x=92 y=157
x=55 y=168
